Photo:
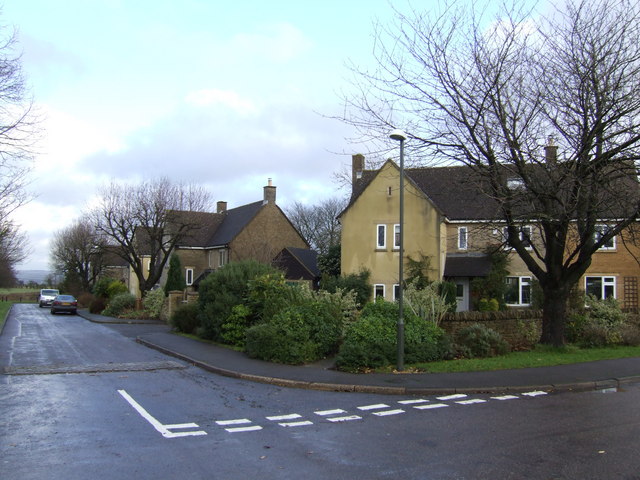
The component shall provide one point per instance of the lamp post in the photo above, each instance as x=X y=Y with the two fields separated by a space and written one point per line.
x=400 y=136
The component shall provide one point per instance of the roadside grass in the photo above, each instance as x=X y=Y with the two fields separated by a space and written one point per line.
x=540 y=356
x=4 y=309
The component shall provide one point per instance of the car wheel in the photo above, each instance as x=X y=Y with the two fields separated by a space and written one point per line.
x=53 y=312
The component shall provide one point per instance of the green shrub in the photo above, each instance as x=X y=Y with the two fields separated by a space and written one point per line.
x=426 y=303
x=224 y=289
x=116 y=287
x=119 y=304
x=357 y=282
x=371 y=342
x=101 y=286
x=448 y=291
x=185 y=318
x=175 y=277
x=285 y=339
x=488 y=305
x=97 y=305
x=601 y=324
x=233 y=331
x=153 y=303
x=477 y=340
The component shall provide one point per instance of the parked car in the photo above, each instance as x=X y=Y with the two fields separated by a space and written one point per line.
x=64 y=303
x=46 y=296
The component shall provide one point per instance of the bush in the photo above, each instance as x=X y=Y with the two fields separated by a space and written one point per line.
x=488 y=305
x=359 y=283
x=85 y=299
x=116 y=287
x=100 y=288
x=426 y=303
x=601 y=323
x=224 y=289
x=119 y=304
x=98 y=305
x=478 y=340
x=371 y=342
x=153 y=303
x=185 y=318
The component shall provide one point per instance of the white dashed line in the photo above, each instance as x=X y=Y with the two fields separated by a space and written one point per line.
x=324 y=413
x=388 y=412
x=452 y=397
x=291 y=416
x=534 y=394
x=238 y=421
x=344 y=419
x=253 y=428
x=413 y=402
x=431 y=406
x=471 y=401
x=304 y=423
x=374 y=407
x=505 y=397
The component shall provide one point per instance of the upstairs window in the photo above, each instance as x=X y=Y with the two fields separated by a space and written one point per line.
x=188 y=276
x=396 y=236
x=601 y=231
x=378 y=291
x=601 y=287
x=524 y=233
x=381 y=236
x=462 y=238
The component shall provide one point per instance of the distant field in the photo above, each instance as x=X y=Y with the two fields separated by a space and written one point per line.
x=19 y=294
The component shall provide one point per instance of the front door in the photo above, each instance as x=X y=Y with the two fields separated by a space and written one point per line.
x=462 y=294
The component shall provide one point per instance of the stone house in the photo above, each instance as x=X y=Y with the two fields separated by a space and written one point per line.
x=449 y=221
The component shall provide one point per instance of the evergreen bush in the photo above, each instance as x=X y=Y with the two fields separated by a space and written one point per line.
x=477 y=340
x=119 y=304
x=185 y=318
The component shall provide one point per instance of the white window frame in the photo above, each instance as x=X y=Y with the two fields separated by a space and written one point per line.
x=383 y=245
x=396 y=236
x=463 y=238
x=521 y=230
x=599 y=231
x=222 y=258
x=606 y=281
x=188 y=276
x=523 y=281
x=375 y=291
x=396 y=291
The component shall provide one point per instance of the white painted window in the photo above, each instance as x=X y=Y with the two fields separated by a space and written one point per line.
x=396 y=236
x=188 y=276
x=518 y=291
x=222 y=258
x=378 y=290
x=396 y=291
x=600 y=287
x=600 y=231
x=462 y=238
x=381 y=236
x=524 y=233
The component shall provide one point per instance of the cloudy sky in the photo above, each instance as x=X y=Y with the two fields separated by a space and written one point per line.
x=227 y=94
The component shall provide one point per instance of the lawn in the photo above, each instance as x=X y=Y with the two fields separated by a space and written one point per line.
x=4 y=309
x=541 y=356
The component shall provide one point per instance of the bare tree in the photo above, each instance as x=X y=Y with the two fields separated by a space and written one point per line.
x=77 y=251
x=318 y=224
x=13 y=250
x=489 y=94
x=18 y=133
x=145 y=222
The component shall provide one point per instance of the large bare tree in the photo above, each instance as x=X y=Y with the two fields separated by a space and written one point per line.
x=318 y=223
x=77 y=252
x=144 y=222
x=18 y=134
x=490 y=92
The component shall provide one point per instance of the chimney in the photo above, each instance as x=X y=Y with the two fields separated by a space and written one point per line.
x=551 y=150
x=221 y=207
x=269 y=193
x=357 y=167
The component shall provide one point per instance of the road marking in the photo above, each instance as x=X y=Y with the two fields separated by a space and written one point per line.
x=237 y=421
x=324 y=413
x=534 y=394
x=344 y=419
x=296 y=424
x=378 y=406
x=291 y=416
x=388 y=412
x=430 y=406
x=165 y=430
x=252 y=428
x=412 y=402
x=505 y=397
x=471 y=401
x=452 y=397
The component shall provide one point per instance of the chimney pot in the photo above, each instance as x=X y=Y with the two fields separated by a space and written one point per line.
x=221 y=207
x=269 y=193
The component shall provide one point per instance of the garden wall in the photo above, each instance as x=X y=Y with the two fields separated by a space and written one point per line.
x=521 y=328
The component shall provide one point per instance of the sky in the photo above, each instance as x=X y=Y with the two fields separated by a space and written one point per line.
x=223 y=94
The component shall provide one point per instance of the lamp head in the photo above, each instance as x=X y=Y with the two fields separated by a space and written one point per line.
x=398 y=135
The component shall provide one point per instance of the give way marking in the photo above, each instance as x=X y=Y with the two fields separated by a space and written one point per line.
x=165 y=430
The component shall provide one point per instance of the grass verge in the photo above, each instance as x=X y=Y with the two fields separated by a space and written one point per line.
x=541 y=356
x=4 y=309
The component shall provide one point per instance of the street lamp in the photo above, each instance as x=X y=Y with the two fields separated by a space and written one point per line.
x=400 y=136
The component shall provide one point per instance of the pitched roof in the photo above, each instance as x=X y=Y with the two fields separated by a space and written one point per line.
x=218 y=229
x=298 y=262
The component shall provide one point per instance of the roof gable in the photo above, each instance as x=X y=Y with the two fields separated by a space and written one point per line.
x=234 y=221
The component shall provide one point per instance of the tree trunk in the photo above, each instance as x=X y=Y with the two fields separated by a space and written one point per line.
x=554 y=312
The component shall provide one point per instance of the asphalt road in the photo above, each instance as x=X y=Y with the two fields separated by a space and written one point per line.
x=81 y=400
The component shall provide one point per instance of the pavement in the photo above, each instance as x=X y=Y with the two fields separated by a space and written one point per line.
x=600 y=375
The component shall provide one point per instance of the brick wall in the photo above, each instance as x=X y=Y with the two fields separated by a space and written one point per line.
x=521 y=328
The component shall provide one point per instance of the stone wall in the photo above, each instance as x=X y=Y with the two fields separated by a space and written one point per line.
x=521 y=328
